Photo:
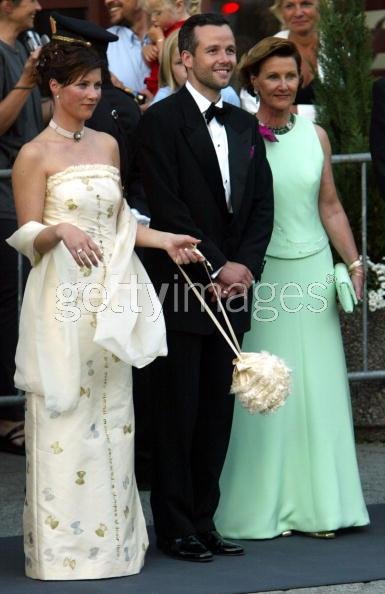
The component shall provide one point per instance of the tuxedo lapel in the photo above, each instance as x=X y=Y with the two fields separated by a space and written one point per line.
x=239 y=141
x=200 y=142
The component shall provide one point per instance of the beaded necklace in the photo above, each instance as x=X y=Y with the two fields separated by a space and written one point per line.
x=282 y=129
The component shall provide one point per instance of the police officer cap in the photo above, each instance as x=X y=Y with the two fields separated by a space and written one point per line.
x=72 y=30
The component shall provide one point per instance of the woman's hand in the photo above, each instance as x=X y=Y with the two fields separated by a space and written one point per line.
x=182 y=248
x=358 y=279
x=81 y=246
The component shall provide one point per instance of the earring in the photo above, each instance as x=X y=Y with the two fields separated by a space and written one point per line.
x=256 y=94
x=57 y=96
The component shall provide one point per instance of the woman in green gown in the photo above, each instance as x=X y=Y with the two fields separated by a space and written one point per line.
x=296 y=469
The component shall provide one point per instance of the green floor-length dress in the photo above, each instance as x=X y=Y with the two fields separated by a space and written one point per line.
x=295 y=469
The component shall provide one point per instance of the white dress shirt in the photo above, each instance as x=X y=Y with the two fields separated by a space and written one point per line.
x=219 y=137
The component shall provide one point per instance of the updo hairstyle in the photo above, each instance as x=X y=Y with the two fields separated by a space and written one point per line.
x=269 y=47
x=66 y=62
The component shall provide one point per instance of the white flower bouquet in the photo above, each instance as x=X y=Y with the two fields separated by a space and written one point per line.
x=261 y=382
x=376 y=293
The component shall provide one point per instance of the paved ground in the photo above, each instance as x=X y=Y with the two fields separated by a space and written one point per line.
x=371 y=458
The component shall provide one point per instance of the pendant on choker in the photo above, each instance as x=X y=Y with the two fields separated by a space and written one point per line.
x=283 y=129
x=75 y=136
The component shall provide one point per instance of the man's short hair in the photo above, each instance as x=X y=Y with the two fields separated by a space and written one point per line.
x=187 y=39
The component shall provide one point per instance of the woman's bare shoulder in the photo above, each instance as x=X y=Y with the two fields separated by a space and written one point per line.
x=101 y=137
x=32 y=153
x=106 y=146
x=323 y=138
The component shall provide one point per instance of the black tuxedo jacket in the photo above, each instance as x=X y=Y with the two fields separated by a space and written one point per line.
x=185 y=193
x=377 y=133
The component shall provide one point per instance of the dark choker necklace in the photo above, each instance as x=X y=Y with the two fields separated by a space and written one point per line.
x=283 y=129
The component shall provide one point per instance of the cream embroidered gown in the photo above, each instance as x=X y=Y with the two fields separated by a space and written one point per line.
x=82 y=517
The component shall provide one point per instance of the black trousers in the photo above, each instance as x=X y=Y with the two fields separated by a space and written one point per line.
x=8 y=319
x=191 y=429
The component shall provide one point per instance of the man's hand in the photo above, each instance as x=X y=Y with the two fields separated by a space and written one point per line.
x=149 y=96
x=29 y=74
x=233 y=279
x=234 y=273
x=226 y=291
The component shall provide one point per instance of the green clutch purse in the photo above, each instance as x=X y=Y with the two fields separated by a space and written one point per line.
x=345 y=290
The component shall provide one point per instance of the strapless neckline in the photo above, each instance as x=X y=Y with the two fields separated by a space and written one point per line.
x=84 y=167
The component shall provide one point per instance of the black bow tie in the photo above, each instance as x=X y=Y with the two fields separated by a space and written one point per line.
x=219 y=113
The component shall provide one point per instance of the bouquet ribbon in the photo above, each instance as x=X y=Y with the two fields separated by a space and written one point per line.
x=261 y=381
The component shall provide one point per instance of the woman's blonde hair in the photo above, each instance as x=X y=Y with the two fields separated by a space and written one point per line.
x=166 y=77
x=193 y=6
x=276 y=9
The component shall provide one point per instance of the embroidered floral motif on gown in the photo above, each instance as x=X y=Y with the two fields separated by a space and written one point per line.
x=82 y=517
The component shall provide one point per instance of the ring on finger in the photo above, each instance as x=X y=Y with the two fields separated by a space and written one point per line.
x=79 y=251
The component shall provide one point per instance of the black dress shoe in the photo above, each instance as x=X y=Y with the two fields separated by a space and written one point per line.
x=218 y=545
x=187 y=548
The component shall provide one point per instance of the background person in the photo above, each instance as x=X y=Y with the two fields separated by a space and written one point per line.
x=77 y=230
x=299 y=20
x=377 y=133
x=207 y=177
x=296 y=469
x=130 y=23
x=166 y=16
x=20 y=121
x=173 y=74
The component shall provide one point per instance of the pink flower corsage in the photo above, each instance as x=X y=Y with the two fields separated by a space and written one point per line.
x=267 y=133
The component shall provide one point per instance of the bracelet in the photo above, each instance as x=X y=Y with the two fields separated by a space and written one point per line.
x=356 y=264
x=357 y=272
x=22 y=88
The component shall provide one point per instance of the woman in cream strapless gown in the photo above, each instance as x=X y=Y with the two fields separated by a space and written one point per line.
x=84 y=323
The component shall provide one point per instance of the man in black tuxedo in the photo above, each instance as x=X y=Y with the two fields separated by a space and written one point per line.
x=377 y=133
x=209 y=177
